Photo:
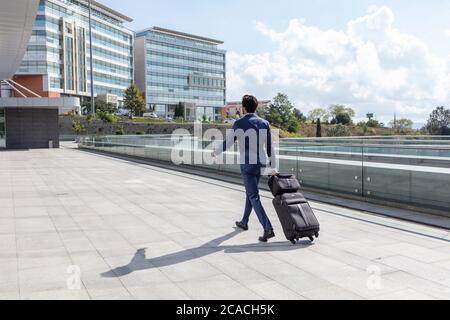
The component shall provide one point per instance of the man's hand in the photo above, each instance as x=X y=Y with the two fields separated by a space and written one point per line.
x=213 y=155
x=273 y=172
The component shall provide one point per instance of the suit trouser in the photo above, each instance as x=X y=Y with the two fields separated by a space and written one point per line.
x=251 y=174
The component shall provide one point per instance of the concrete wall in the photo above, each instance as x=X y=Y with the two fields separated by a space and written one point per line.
x=31 y=128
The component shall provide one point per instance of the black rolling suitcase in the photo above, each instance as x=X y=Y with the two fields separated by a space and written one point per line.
x=295 y=214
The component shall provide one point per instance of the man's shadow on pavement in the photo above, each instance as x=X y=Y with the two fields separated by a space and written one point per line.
x=140 y=262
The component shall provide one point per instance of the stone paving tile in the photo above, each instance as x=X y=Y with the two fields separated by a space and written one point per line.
x=407 y=294
x=31 y=259
x=6 y=212
x=219 y=287
x=160 y=291
x=367 y=284
x=119 y=295
x=10 y=295
x=301 y=282
x=48 y=278
x=98 y=286
x=7 y=225
x=6 y=204
x=132 y=237
x=351 y=258
x=179 y=269
x=34 y=225
x=38 y=241
x=8 y=272
x=89 y=262
x=443 y=264
x=418 y=253
x=433 y=289
x=65 y=223
x=76 y=242
x=62 y=294
x=236 y=270
x=330 y=293
x=273 y=290
x=419 y=269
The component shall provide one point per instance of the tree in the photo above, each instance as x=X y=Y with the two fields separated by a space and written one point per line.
x=342 y=118
x=341 y=114
x=401 y=124
x=280 y=111
x=336 y=109
x=372 y=123
x=281 y=114
x=133 y=101
x=439 y=122
x=318 y=113
x=299 y=115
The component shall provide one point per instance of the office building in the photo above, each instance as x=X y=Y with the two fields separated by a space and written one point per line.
x=56 y=62
x=25 y=122
x=179 y=69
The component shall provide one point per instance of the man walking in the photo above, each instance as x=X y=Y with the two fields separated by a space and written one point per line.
x=257 y=155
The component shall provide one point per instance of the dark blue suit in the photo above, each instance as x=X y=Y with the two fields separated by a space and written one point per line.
x=257 y=153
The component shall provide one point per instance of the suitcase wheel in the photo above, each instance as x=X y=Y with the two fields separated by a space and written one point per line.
x=293 y=241
x=317 y=234
x=311 y=239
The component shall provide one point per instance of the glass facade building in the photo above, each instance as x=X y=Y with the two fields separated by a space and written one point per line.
x=174 y=68
x=59 y=49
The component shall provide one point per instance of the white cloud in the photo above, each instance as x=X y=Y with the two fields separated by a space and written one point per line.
x=371 y=66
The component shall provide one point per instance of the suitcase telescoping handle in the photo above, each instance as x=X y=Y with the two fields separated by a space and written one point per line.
x=274 y=175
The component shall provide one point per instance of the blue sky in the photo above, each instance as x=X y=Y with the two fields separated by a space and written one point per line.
x=233 y=20
x=383 y=57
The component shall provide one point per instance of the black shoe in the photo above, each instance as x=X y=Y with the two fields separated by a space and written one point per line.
x=267 y=235
x=242 y=226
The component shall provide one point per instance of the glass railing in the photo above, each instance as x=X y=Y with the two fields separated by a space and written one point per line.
x=410 y=174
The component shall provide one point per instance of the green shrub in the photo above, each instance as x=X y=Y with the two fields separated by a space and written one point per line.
x=140 y=133
x=339 y=131
x=89 y=117
x=106 y=117
x=293 y=125
x=77 y=127
x=120 y=132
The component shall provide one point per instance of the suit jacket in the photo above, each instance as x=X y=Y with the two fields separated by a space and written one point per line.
x=254 y=137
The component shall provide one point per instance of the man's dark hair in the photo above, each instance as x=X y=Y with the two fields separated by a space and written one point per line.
x=250 y=103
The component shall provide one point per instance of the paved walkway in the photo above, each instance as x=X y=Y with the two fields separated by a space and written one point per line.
x=138 y=232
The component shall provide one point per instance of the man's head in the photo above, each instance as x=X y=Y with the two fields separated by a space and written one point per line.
x=250 y=103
